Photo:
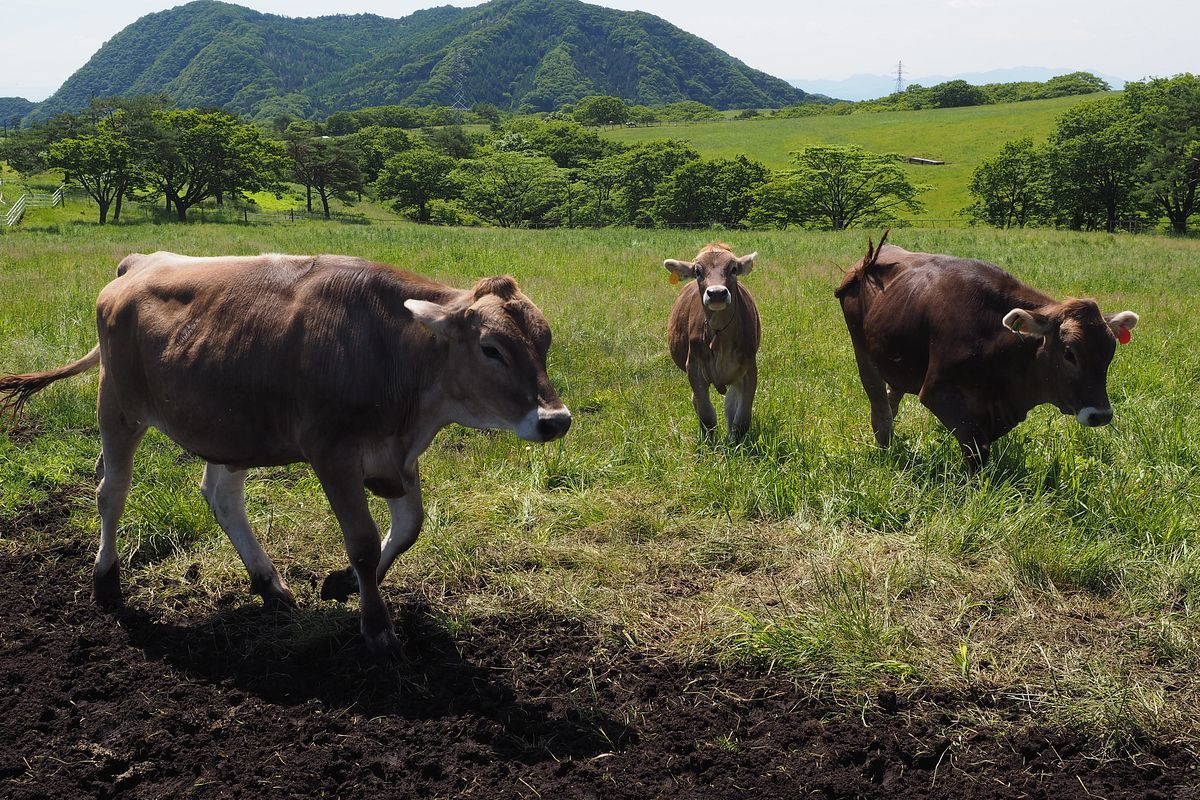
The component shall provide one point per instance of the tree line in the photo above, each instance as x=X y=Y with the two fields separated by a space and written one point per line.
x=1132 y=157
x=520 y=171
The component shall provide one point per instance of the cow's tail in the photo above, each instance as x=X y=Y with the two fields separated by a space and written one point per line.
x=862 y=268
x=15 y=390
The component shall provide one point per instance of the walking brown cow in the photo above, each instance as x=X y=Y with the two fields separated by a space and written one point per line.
x=713 y=334
x=350 y=366
x=977 y=346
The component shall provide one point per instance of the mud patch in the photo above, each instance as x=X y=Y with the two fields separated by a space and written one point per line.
x=245 y=704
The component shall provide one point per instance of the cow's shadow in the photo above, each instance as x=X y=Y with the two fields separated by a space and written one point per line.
x=294 y=658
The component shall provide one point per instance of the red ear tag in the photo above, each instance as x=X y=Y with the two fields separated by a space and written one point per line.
x=1124 y=336
x=674 y=277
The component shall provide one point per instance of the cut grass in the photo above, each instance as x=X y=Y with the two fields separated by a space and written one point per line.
x=962 y=137
x=1066 y=572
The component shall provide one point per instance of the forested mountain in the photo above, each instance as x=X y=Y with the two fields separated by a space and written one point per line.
x=517 y=54
x=13 y=108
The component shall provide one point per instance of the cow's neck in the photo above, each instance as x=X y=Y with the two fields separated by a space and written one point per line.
x=719 y=327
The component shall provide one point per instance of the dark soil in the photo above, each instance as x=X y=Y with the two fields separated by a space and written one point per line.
x=132 y=706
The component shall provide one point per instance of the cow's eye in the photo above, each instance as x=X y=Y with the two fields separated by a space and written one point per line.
x=492 y=353
x=1069 y=355
x=696 y=271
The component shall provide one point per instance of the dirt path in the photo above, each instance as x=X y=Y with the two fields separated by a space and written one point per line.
x=135 y=707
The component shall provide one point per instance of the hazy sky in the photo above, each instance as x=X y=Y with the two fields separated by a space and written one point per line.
x=43 y=41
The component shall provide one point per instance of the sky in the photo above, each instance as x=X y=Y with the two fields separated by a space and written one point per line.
x=42 y=42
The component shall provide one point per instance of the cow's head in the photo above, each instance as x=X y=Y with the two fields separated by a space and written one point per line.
x=496 y=371
x=1077 y=345
x=715 y=270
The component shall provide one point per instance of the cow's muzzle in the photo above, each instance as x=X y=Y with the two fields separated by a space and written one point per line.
x=716 y=298
x=1094 y=417
x=545 y=424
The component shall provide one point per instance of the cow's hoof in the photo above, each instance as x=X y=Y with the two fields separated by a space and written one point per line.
x=106 y=589
x=274 y=592
x=382 y=643
x=339 y=585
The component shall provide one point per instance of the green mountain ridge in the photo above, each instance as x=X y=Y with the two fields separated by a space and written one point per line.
x=531 y=55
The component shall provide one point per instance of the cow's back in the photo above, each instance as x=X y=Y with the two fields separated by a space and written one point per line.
x=232 y=356
x=913 y=310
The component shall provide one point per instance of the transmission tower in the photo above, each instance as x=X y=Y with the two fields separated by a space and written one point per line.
x=899 y=76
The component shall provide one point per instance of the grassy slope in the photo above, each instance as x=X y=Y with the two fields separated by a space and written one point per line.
x=1068 y=571
x=960 y=136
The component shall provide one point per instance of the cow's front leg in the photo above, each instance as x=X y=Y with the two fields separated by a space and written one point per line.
x=225 y=491
x=407 y=515
x=738 y=403
x=951 y=409
x=342 y=483
x=705 y=410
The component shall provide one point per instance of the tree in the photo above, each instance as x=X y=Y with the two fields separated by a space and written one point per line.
x=451 y=140
x=330 y=166
x=510 y=189
x=24 y=149
x=197 y=155
x=1168 y=112
x=414 y=178
x=598 y=109
x=103 y=163
x=1094 y=156
x=775 y=203
x=642 y=168
x=1010 y=189
x=375 y=145
x=842 y=185
x=720 y=191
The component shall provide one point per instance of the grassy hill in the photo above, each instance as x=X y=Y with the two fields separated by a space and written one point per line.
x=962 y=137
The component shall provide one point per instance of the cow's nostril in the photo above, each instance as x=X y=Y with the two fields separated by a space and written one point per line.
x=555 y=427
x=1095 y=417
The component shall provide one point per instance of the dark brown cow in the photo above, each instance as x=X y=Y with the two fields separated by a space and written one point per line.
x=978 y=347
x=713 y=334
x=268 y=360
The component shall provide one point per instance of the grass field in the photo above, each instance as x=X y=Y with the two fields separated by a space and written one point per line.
x=1066 y=574
x=961 y=137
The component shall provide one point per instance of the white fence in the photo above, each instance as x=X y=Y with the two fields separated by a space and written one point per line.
x=33 y=199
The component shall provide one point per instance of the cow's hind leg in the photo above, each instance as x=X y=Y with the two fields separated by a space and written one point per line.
x=738 y=403
x=407 y=515
x=879 y=395
x=114 y=472
x=342 y=481
x=225 y=491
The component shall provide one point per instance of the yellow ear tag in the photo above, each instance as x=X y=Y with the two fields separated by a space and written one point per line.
x=674 y=277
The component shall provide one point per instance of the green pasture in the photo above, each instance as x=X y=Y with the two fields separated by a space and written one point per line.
x=1066 y=574
x=962 y=137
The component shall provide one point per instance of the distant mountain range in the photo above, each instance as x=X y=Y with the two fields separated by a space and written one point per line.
x=517 y=54
x=13 y=108
x=869 y=87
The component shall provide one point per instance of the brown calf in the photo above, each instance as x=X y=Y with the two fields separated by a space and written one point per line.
x=713 y=334
x=977 y=346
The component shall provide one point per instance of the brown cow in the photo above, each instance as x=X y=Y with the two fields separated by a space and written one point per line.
x=978 y=347
x=347 y=365
x=713 y=334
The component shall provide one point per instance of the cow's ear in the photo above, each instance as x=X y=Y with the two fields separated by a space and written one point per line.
x=437 y=319
x=1121 y=321
x=746 y=263
x=1021 y=321
x=680 y=270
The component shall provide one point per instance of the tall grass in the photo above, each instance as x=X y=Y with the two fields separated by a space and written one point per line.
x=1069 y=564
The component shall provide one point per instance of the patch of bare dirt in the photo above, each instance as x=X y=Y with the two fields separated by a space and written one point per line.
x=133 y=706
